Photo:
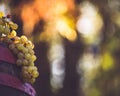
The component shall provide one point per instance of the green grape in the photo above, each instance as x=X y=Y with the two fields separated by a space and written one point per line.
x=28 y=47
x=29 y=44
x=17 y=39
x=29 y=73
x=30 y=68
x=32 y=80
x=20 y=55
x=15 y=51
x=25 y=50
x=25 y=75
x=31 y=63
x=23 y=39
x=10 y=22
x=6 y=31
x=1 y=22
x=1 y=29
x=35 y=74
x=35 y=68
x=12 y=34
x=14 y=26
x=19 y=62
x=27 y=56
x=12 y=46
x=19 y=46
x=24 y=68
x=33 y=57
x=31 y=51
x=25 y=62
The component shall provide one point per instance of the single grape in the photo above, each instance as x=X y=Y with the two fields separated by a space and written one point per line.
x=31 y=51
x=12 y=46
x=35 y=68
x=30 y=69
x=6 y=31
x=33 y=57
x=17 y=39
x=25 y=62
x=24 y=50
x=14 y=26
x=19 y=46
x=23 y=39
x=27 y=56
x=12 y=34
x=29 y=44
x=31 y=63
x=35 y=73
x=20 y=55
x=15 y=51
x=19 y=62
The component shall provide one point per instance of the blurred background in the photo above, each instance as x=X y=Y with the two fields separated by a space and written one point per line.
x=76 y=44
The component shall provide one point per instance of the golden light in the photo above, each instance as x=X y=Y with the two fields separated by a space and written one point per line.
x=90 y=22
x=66 y=28
x=33 y=12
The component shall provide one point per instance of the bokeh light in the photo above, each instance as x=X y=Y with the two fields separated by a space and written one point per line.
x=89 y=23
x=57 y=64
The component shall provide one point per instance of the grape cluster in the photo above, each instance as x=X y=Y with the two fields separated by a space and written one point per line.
x=21 y=47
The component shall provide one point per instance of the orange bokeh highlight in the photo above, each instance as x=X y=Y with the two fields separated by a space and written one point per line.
x=43 y=9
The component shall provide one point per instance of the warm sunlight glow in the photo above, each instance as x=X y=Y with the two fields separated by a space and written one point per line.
x=64 y=28
x=33 y=12
x=90 y=22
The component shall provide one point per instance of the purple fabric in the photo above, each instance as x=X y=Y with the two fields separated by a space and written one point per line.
x=14 y=82
x=6 y=55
